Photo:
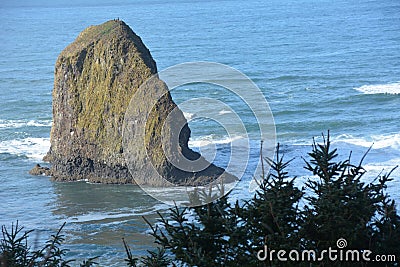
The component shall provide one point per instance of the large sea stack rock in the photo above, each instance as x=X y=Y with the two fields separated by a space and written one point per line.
x=95 y=79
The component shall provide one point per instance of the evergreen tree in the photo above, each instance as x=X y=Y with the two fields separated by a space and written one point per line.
x=339 y=206
x=272 y=216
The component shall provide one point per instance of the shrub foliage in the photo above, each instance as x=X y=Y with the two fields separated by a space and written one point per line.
x=335 y=204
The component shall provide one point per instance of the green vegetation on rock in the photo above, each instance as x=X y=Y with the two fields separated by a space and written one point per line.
x=96 y=78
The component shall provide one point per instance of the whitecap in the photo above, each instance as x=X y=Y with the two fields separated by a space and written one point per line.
x=120 y=216
x=389 y=88
x=35 y=123
x=376 y=141
x=100 y=216
x=188 y=116
x=222 y=112
x=24 y=123
x=33 y=148
x=212 y=140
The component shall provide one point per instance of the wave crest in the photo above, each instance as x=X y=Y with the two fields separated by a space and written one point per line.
x=389 y=88
x=33 y=148
x=376 y=141
x=212 y=139
x=24 y=123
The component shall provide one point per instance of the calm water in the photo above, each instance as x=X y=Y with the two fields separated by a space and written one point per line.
x=321 y=65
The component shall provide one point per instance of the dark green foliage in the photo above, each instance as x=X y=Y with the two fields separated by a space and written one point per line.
x=130 y=260
x=231 y=235
x=272 y=216
x=335 y=203
x=156 y=259
x=385 y=237
x=15 y=251
x=52 y=254
x=89 y=262
x=14 y=247
x=202 y=196
x=214 y=239
x=338 y=204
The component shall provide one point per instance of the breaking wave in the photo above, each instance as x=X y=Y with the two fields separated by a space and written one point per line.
x=24 y=123
x=33 y=148
x=389 y=88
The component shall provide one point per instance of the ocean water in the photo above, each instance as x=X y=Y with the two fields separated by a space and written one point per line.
x=322 y=65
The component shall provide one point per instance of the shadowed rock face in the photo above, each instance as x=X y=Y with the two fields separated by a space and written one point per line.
x=95 y=79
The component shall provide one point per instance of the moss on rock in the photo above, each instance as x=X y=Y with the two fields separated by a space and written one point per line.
x=95 y=79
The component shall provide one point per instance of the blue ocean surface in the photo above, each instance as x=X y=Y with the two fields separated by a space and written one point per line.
x=321 y=65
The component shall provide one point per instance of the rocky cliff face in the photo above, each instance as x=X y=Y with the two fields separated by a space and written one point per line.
x=95 y=79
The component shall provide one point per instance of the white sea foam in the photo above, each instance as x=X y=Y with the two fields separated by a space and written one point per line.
x=24 y=123
x=100 y=216
x=384 y=167
x=382 y=162
x=211 y=139
x=222 y=112
x=189 y=116
x=376 y=141
x=389 y=88
x=118 y=216
x=34 y=148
